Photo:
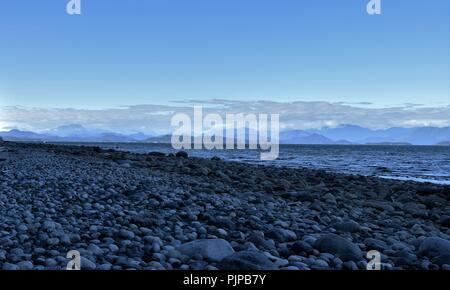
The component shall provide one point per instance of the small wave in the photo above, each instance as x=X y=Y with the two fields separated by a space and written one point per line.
x=417 y=179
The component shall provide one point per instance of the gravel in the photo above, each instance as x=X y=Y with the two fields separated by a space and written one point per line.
x=152 y=211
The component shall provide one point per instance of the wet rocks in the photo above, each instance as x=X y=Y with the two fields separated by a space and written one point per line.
x=282 y=235
x=247 y=260
x=156 y=154
x=339 y=246
x=374 y=244
x=126 y=234
x=445 y=221
x=169 y=212
x=380 y=205
x=211 y=249
x=182 y=154
x=258 y=239
x=302 y=196
x=350 y=227
x=302 y=247
x=436 y=249
x=87 y=264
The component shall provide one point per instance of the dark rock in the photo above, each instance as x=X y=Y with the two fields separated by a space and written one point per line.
x=247 y=260
x=282 y=235
x=339 y=246
x=380 y=205
x=211 y=249
x=25 y=265
x=257 y=238
x=126 y=234
x=156 y=154
x=350 y=227
x=373 y=244
x=436 y=249
x=97 y=149
x=350 y=265
x=87 y=264
x=302 y=196
x=301 y=246
x=182 y=154
x=445 y=221
x=442 y=260
x=222 y=222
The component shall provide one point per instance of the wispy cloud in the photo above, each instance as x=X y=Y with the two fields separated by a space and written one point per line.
x=293 y=115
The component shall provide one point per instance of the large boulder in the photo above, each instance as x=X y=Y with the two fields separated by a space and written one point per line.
x=339 y=246
x=211 y=249
x=247 y=260
x=437 y=249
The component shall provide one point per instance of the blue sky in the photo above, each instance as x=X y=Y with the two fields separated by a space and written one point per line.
x=159 y=51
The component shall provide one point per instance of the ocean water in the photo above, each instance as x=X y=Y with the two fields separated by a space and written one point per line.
x=418 y=163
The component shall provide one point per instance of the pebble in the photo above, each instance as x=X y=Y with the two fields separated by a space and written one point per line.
x=161 y=211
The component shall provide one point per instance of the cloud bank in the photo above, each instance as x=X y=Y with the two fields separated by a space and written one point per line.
x=293 y=115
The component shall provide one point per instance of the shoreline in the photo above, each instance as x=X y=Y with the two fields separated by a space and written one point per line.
x=156 y=211
x=369 y=168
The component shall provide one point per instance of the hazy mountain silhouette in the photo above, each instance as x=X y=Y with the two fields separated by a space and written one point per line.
x=345 y=134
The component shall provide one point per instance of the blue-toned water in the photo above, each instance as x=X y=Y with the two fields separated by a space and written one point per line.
x=419 y=163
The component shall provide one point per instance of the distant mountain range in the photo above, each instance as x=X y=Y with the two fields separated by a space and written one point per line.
x=72 y=133
x=345 y=134
x=360 y=135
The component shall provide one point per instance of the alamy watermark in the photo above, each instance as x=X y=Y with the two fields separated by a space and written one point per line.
x=374 y=260
x=237 y=131
x=75 y=260
x=374 y=7
x=73 y=7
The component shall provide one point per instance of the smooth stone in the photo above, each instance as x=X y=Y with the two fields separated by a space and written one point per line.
x=350 y=227
x=50 y=262
x=301 y=246
x=374 y=244
x=290 y=268
x=320 y=264
x=247 y=260
x=282 y=235
x=87 y=264
x=126 y=234
x=9 y=267
x=155 y=266
x=436 y=249
x=211 y=249
x=339 y=246
x=25 y=265
x=53 y=241
x=94 y=249
x=113 y=248
x=22 y=228
x=350 y=265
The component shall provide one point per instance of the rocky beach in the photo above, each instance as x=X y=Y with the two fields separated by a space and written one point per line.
x=160 y=211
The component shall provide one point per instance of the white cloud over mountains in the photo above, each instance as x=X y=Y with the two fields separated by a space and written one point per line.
x=293 y=115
